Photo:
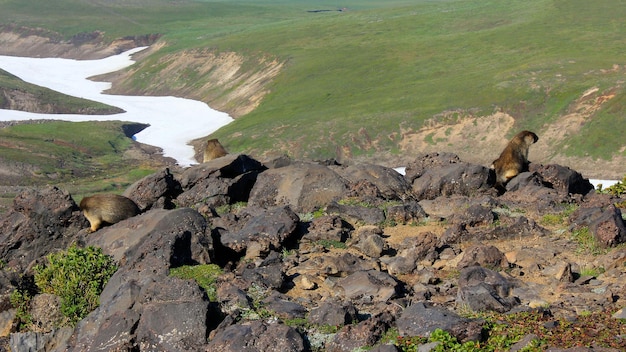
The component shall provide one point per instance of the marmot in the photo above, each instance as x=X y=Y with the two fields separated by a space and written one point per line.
x=514 y=158
x=102 y=209
x=213 y=150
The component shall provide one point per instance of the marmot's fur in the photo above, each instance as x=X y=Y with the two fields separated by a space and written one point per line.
x=102 y=209
x=514 y=158
x=213 y=150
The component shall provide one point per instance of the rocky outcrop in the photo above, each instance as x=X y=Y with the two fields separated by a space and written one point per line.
x=319 y=257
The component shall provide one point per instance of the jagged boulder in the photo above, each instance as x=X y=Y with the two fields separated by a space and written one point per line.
x=327 y=228
x=357 y=213
x=188 y=242
x=221 y=181
x=421 y=319
x=303 y=186
x=364 y=334
x=259 y=231
x=562 y=178
x=435 y=175
x=155 y=191
x=375 y=182
x=257 y=336
x=605 y=223
x=484 y=289
x=40 y=221
x=334 y=313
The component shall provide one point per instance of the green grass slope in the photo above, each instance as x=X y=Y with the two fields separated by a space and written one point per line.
x=32 y=98
x=363 y=78
x=61 y=151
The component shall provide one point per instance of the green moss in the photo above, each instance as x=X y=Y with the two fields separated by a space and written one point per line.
x=205 y=275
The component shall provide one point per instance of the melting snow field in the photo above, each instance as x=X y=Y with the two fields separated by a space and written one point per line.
x=173 y=121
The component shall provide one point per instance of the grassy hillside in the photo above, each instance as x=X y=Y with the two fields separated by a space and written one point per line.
x=364 y=78
x=66 y=152
x=20 y=95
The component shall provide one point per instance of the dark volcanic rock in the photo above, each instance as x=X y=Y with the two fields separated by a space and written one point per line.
x=328 y=228
x=257 y=336
x=382 y=182
x=435 y=175
x=227 y=179
x=368 y=286
x=605 y=223
x=40 y=222
x=189 y=244
x=284 y=308
x=345 y=265
x=484 y=289
x=357 y=213
x=562 y=178
x=409 y=212
x=303 y=186
x=475 y=215
x=485 y=256
x=333 y=313
x=366 y=333
x=265 y=230
x=420 y=319
x=341 y=265
x=609 y=228
x=221 y=181
x=368 y=239
x=269 y=273
x=156 y=191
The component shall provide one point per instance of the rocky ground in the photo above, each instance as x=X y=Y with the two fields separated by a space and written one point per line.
x=328 y=257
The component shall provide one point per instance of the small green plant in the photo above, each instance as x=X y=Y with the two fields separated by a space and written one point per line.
x=591 y=271
x=205 y=275
x=616 y=190
x=587 y=243
x=77 y=276
x=286 y=253
x=257 y=311
x=230 y=208
x=552 y=219
x=20 y=300
x=332 y=244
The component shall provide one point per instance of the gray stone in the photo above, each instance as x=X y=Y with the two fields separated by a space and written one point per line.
x=303 y=186
x=257 y=336
x=562 y=178
x=356 y=336
x=268 y=228
x=284 y=308
x=154 y=191
x=483 y=289
x=357 y=213
x=388 y=184
x=368 y=286
x=485 y=256
x=333 y=313
x=435 y=175
x=420 y=319
x=40 y=221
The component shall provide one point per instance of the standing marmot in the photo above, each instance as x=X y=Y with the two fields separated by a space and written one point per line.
x=514 y=158
x=213 y=150
x=102 y=209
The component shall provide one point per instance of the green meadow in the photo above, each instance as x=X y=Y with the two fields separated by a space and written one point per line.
x=378 y=68
x=50 y=100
